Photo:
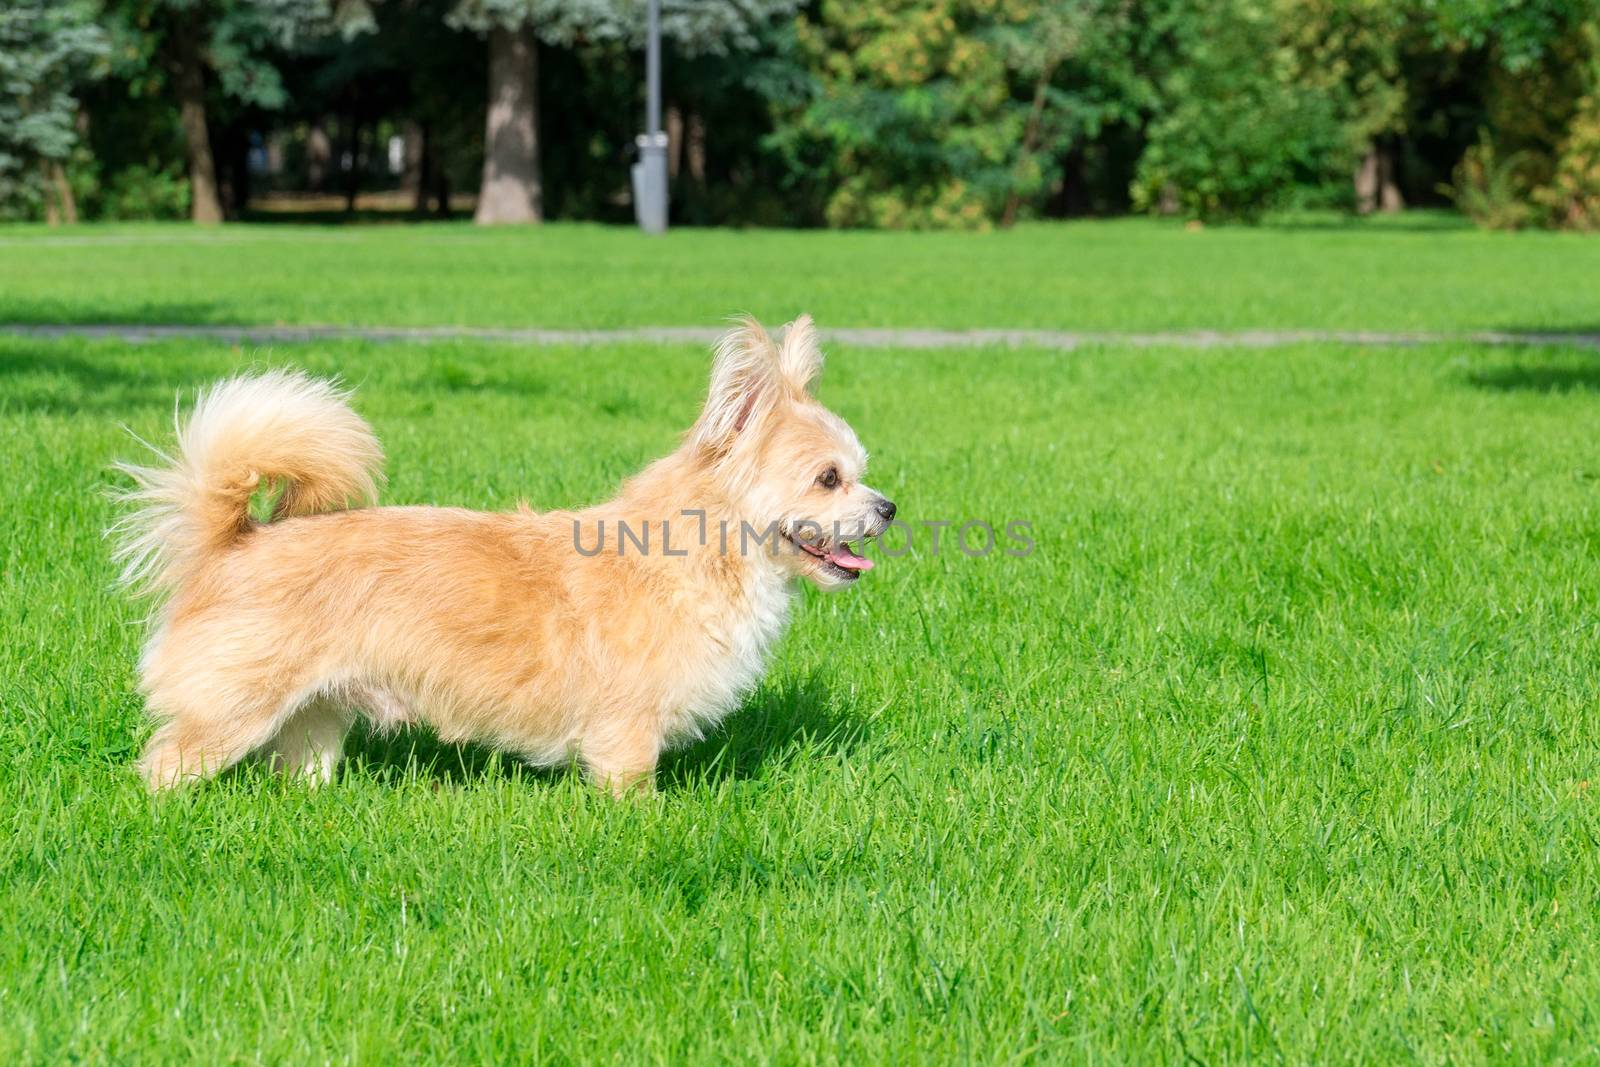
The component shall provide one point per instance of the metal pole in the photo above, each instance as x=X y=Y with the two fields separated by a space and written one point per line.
x=650 y=173
x=652 y=71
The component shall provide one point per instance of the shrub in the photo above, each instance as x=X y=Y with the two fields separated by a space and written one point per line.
x=1237 y=132
x=947 y=113
x=1573 y=195
x=1492 y=192
x=141 y=192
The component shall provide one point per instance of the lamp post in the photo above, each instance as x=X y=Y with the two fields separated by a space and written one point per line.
x=650 y=173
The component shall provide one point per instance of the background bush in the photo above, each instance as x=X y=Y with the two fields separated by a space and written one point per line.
x=880 y=113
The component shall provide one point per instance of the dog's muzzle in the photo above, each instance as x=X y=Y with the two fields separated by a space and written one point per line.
x=884 y=511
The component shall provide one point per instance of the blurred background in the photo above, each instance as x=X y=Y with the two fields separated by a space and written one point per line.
x=867 y=113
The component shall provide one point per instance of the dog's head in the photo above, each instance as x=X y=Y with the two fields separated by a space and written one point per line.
x=792 y=464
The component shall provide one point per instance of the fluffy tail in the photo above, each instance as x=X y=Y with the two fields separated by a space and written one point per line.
x=280 y=427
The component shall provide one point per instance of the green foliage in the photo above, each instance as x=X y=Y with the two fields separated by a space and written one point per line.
x=242 y=42
x=912 y=109
x=1356 y=53
x=1520 y=34
x=960 y=114
x=933 y=113
x=46 y=48
x=140 y=192
x=1533 y=163
x=1237 y=132
x=1573 y=193
x=710 y=27
x=1491 y=190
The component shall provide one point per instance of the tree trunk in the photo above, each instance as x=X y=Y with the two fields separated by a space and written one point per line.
x=319 y=152
x=694 y=148
x=424 y=178
x=1375 y=185
x=413 y=159
x=231 y=150
x=674 y=126
x=352 y=154
x=52 y=217
x=63 y=190
x=510 y=191
x=1366 y=181
x=1390 y=199
x=1030 y=140
x=441 y=191
x=190 y=84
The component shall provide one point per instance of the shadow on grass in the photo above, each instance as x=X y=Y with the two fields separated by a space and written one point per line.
x=1563 y=372
x=780 y=722
x=1362 y=228
x=776 y=725
x=64 y=313
x=476 y=378
x=418 y=752
x=1584 y=335
x=1417 y=220
x=42 y=379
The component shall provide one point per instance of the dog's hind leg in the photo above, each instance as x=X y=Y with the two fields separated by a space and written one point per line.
x=212 y=716
x=193 y=745
x=312 y=741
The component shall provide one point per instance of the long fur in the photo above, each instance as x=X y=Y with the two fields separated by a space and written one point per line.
x=546 y=634
x=281 y=426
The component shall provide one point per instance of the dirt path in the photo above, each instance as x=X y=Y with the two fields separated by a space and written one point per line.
x=868 y=337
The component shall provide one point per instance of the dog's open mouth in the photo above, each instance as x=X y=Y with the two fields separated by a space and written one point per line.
x=838 y=559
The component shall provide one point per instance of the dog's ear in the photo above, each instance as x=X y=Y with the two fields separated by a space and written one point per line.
x=800 y=358
x=744 y=386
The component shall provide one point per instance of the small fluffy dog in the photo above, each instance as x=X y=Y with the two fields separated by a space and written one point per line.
x=601 y=635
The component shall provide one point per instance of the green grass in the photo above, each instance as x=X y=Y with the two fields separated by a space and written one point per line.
x=1280 y=745
x=1420 y=272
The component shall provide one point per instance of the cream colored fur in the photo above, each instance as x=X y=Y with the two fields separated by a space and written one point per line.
x=271 y=637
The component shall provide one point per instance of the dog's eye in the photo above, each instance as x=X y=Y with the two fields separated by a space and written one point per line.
x=829 y=479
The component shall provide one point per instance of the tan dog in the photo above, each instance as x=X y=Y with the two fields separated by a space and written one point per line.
x=603 y=634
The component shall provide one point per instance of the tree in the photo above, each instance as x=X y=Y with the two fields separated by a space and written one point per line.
x=511 y=190
x=1537 y=157
x=46 y=46
x=908 y=120
x=940 y=113
x=1236 y=130
x=1073 y=62
x=195 y=46
x=405 y=72
x=1353 y=52
x=1572 y=196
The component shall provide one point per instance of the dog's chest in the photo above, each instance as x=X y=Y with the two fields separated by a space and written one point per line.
x=735 y=653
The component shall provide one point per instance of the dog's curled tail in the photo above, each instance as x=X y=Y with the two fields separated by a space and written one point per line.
x=280 y=428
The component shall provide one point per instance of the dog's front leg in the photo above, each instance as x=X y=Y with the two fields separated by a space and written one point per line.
x=624 y=764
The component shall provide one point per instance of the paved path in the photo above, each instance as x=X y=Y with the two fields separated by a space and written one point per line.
x=869 y=337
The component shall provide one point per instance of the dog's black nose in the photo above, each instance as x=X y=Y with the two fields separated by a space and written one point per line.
x=885 y=508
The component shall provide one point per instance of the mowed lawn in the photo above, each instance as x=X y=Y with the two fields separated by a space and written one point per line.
x=1417 y=272
x=1282 y=744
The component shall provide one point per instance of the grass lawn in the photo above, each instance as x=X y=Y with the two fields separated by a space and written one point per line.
x=1280 y=745
x=1415 y=272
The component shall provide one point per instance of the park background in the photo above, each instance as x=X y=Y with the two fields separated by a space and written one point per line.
x=885 y=113
x=1282 y=743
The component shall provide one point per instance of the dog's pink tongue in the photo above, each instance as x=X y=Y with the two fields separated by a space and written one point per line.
x=841 y=556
